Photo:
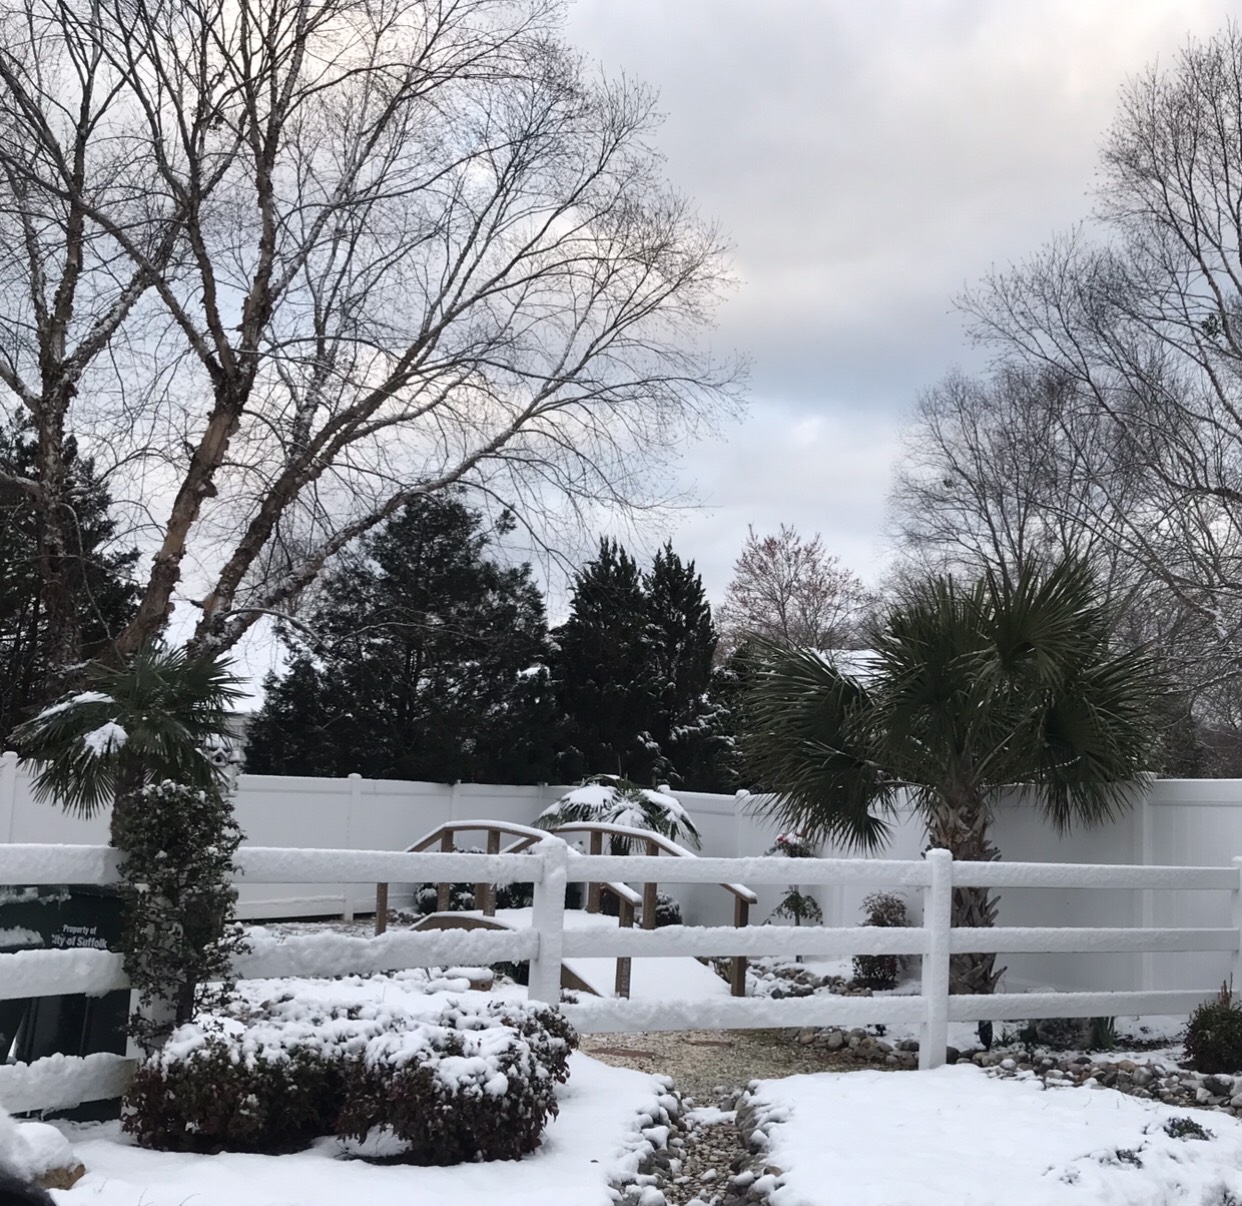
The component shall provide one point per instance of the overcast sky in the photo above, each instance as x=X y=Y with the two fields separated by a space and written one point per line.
x=868 y=160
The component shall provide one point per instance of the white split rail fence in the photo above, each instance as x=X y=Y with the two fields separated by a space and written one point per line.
x=60 y=1082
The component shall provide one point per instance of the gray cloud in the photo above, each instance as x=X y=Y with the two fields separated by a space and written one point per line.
x=868 y=161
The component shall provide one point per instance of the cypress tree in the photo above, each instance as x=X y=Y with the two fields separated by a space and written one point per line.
x=603 y=673
x=103 y=594
x=428 y=661
x=682 y=640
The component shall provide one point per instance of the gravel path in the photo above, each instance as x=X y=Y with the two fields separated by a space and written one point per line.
x=707 y=1064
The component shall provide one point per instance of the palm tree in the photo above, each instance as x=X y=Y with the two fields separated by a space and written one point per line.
x=157 y=717
x=616 y=801
x=970 y=691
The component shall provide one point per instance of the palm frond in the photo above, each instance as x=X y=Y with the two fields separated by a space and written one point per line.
x=142 y=722
x=808 y=747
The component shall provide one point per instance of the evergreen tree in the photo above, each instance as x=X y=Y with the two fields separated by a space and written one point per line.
x=102 y=593
x=428 y=662
x=682 y=639
x=603 y=674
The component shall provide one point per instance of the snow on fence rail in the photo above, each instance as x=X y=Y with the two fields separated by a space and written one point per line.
x=61 y=1081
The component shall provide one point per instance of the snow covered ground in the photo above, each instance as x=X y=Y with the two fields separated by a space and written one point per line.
x=958 y=1137
x=593 y=1137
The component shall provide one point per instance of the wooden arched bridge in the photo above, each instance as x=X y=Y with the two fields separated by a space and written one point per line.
x=523 y=837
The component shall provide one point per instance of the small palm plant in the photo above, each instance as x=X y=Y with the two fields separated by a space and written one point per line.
x=158 y=717
x=150 y=737
x=608 y=799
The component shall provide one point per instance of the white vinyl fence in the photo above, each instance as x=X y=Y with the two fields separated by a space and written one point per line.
x=60 y=1082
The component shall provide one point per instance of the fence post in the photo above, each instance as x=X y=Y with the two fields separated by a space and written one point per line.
x=347 y=890
x=548 y=922
x=8 y=795
x=444 y=890
x=485 y=893
x=937 y=921
x=650 y=897
x=737 y=969
x=1235 y=971
x=625 y=920
x=593 y=889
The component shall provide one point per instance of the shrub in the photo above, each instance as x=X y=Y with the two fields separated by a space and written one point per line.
x=210 y=1100
x=667 y=912
x=179 y=935
x=795 y=905
x=467 y=1087
x=1214 y=1035
x=881 y=971
x=466 y=1079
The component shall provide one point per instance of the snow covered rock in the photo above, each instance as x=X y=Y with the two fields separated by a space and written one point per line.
x=36 y=1152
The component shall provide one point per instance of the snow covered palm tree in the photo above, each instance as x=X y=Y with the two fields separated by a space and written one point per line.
x=970 y=691
x=614 y=801
x=155 y=718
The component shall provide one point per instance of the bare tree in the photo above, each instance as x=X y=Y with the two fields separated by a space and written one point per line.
x=789 y=589
x=362 y=251
x=1016 y=467
x=66 y=288
x=1001 y=469
x=1146 y=324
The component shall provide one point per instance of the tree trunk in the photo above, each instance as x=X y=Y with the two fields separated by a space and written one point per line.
x=61 y=642
x=965 y=834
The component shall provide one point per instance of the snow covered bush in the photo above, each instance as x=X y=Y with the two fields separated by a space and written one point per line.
x=1214 y=1034
x=608 y=799
x=212 y=1090
x=881 y=971
x=449 y=1078
x=179 y=935
x=468 y=1086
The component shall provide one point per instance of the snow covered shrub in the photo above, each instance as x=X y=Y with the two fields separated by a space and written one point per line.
x=608 y=799
x=213 y=1091
x=452 y=1078
x=881 y=971
x=178 y=935
x=469 y=1085
x=1214 y=1034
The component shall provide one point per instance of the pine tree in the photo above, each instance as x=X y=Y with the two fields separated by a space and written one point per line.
x=682 y=641
x=428 y=662
x=99 y=578
x=603 y=674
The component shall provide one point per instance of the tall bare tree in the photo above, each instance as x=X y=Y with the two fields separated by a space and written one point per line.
x=1145 y=324
x=344 y=253
x=789 y=589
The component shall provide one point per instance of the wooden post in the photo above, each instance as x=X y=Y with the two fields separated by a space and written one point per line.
x=626 y=916
x=737 y=971
x=485 y=894
x=381 y=908
x=443 y=890
x=593 y=892
x=649 y=893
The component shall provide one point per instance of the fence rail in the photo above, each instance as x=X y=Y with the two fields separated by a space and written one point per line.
x=61 y=1081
